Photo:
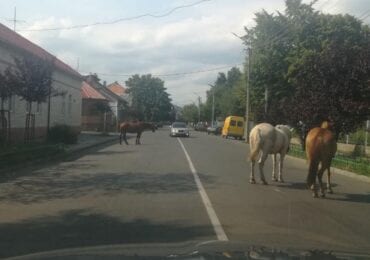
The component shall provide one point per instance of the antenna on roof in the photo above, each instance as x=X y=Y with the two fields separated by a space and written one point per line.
x=14 y=20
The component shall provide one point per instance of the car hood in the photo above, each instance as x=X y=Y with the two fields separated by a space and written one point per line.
x=190 y=250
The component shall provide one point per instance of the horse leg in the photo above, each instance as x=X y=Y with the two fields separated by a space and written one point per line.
x=120 y=138
x=328 y=184
x=261 y=164
x=281 y=162
x=319 y=177
x=138 y=138
x=124 y=137
x=274 y=167
x=252 y=180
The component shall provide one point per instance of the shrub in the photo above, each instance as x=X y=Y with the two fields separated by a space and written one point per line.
x=62 y=134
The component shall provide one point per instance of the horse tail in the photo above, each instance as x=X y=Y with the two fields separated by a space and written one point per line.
x=255 y=144
x=312 y=172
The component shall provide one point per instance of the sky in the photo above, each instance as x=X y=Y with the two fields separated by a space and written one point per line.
x=193 y=39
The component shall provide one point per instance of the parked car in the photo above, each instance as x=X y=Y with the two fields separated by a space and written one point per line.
x=233 y=126
x=179 y=129
x=215 y=129
x=200 y=126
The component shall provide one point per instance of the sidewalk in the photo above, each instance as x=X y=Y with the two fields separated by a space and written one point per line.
x=88 y=140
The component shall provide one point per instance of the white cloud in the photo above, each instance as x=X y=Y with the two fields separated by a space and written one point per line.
x=190 y=40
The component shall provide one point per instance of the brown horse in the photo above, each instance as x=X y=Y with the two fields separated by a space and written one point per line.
x=134 y=127
x=321 y=147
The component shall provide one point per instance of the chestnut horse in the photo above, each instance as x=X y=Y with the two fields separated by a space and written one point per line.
x=134 y=127
x=321 y=147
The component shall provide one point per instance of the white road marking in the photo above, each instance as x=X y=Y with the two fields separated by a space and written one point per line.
x=220 y=233
x=276 y=189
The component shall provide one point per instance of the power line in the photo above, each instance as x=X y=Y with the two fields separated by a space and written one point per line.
x=172 y=74
x=117 y=20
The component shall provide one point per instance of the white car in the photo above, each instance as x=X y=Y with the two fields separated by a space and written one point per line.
x=179 y=129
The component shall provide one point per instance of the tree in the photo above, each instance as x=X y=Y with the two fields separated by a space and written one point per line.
x=315 y=67
x=5 y=93
x=150 y=100
x=190 y=113
x=228 y=90
x=32 y=81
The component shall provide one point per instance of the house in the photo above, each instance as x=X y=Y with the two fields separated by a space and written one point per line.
x=117 y=104
x=93 y=103
x=121 y=91
x=62 y=109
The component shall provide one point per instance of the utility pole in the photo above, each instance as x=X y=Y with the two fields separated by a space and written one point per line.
x=213 y=104
x=199 y=108
x=266 y=100
x=247 y=105
x=367 y=129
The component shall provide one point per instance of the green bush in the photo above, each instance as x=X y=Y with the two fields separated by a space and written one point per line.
x=62 y=134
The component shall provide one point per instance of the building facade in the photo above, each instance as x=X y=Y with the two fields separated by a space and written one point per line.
x=63 y=109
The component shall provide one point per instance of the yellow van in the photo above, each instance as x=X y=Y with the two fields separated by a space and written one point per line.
x=233 y=126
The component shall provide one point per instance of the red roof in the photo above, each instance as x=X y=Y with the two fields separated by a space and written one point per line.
x=88 y=92
x=14 y=39
x=116 y=88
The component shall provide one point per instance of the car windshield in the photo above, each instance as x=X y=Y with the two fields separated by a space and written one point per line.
x=153 y=123
x=179 y=125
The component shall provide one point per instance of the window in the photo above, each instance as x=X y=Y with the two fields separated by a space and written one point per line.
x=28 y=106
x=63 y=104
x=232 y=123
x=39 y=107
x=240 y=123
x=12 y=103
x=69 y=104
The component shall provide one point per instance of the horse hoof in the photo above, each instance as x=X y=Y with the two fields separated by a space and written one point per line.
x=274 y=179
x=264 y=182
x=315 y=195
x=322 y=195
x=252 y=181
x=281 y=180
x=330 y=191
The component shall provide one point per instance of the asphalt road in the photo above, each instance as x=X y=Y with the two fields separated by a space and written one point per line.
x=150 y=193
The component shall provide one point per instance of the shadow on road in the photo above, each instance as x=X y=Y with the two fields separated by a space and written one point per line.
x=79 y=228
x=298 y=185
x=111 y=152
x=59 y=185
x=350 y=197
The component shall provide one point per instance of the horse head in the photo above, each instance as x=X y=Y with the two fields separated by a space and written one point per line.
x=327 y=125
x=286 y=129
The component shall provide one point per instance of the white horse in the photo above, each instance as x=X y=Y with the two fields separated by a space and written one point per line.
x=267 y=139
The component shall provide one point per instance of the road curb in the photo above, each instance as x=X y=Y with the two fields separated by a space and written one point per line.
x=340 y=171
x=92 y=145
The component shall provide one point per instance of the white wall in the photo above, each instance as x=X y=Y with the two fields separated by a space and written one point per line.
x=69 y=113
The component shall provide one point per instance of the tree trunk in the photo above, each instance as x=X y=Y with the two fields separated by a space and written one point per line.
x=27 y=127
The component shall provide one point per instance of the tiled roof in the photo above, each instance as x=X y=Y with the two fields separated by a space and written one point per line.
x=88 y=92
x=117 y=89
x=14 y=39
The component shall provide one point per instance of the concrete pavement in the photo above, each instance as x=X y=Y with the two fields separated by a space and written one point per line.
x=145 y=194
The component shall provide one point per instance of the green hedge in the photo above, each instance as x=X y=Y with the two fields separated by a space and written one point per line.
x=359 y=165
x=62 y=134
